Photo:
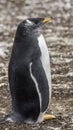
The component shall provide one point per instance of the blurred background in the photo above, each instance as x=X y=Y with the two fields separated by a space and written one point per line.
x=59 y=37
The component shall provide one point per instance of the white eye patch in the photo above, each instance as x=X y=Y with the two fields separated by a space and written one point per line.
x=29 y=22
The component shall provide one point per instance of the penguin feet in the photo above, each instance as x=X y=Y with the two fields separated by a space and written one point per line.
x=48 y=117
x=17 y=118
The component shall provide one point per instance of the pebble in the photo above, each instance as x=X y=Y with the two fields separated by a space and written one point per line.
x=6 y=128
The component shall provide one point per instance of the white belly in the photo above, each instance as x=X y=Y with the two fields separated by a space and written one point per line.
x=45 y=60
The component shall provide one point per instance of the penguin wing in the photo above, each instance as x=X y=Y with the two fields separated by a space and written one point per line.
x=41 y=83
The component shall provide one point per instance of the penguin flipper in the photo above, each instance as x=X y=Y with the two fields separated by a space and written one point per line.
x=48 y=117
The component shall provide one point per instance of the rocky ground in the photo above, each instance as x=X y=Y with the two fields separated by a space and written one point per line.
x=59 y=38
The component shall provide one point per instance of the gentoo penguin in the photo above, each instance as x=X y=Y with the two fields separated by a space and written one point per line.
x=29 y=74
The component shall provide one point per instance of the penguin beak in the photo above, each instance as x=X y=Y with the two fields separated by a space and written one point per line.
x=43 y=21
x=39 y=22
x=47 y=20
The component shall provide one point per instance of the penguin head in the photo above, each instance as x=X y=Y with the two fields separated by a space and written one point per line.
x=36 y=23
x=32 y=24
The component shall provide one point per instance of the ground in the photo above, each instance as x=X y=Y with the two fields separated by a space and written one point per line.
x=59 y=37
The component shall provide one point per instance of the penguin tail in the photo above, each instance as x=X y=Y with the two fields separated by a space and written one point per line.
x=5 y=119
x=12 y=117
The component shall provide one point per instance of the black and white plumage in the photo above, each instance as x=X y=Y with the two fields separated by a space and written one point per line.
x=29 y=73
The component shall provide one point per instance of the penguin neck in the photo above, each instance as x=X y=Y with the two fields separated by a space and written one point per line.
x=21 y=38
x=25 y=41
x=36 y=32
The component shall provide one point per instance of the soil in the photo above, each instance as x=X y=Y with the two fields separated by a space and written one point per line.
x=59 y=37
